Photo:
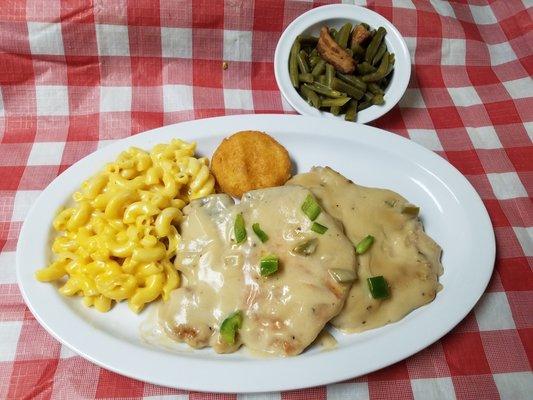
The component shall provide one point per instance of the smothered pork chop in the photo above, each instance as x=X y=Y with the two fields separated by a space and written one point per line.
x=402 y=253
x=260 y=273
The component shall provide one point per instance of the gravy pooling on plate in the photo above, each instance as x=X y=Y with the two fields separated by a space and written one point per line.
x=282 y=313
x=402 y=252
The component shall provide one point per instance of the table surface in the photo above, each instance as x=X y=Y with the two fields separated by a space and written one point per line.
x=75 y=76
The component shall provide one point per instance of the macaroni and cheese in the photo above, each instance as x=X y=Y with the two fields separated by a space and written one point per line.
x=116 y=243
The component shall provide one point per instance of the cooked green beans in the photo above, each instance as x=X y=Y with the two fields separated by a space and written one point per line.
x=311 y=96
x=324 y=90
x=373 y=88
x=313 y=69
x=307 y=78
x=351 y=91
x=378 y=100
x=330 y=74
x=319 y=68
x=293 y=64
x=373 y=47
x=303 y=66
x=352 y=80
x=365 y=68
x=382 y=49
x=339 y=102
x=364 y=105
x=382 y=71
x=357 y=50
x=344 y=35
x=313 y=60
x=351 y=111
x=308 y=40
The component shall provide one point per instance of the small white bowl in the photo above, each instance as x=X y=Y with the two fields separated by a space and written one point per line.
x=334 y=16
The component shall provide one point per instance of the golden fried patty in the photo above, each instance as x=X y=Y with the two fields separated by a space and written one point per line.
x=250 y=160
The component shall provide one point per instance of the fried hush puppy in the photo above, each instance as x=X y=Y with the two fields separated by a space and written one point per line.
x=249 y=160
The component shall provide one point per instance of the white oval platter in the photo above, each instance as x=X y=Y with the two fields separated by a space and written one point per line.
x=451 y=210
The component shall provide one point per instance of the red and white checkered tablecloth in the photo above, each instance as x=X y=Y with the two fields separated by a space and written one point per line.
x=75 y=75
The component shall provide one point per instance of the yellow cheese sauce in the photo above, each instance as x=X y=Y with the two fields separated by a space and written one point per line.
x=406 y=256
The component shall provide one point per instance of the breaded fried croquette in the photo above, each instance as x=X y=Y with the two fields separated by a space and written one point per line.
x=250 y=160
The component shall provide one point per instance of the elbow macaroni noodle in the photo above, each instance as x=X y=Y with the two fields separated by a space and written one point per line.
x=117 y=241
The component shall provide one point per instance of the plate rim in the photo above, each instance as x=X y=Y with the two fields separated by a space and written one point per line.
x=342 y=11
x=236 y=365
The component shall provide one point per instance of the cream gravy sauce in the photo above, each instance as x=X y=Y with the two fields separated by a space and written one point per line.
x=283 y=313
x=406 y=256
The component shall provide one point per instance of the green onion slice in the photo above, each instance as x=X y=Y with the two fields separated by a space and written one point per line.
x=364 y=244
x=311 y=208
x=263 y=237
x=379 y=289
x=269 y=265
x=239 y=229
x=342 y=275
x=318 y=228
x=229 y=327
x=306 y=248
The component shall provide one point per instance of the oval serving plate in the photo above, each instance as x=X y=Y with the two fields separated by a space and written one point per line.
x=452 y=212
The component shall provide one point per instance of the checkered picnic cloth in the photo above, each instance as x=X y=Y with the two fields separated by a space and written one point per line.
x=76 y=75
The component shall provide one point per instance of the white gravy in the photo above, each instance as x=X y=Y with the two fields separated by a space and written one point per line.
x=283 y=313
x=407 y=257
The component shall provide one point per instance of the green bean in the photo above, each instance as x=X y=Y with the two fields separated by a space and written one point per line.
x=322 y=79
x=333 y=32
x=365 y=244
x=311 y=96
x=382 y=71
x=339 y=102
x=314 y=52
x=357 y=50
x=363 y=105
x=379 y=54
x=330 y=73
x=368 y=96
x=351 y=111
x=324 y=90
x=303 y=66
x=391 y=63
x=308 y=40
x=335 y=110
x=293 y=64
x=307 y=50
x=365 y=68
x=385 y=82
x=313 y=61
x=352 y=80
x=372 y=48
x=319 y=68
x=341 y=86
x=344 y=35
x=374 y=88
x=307 y=78
x=378 y=100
